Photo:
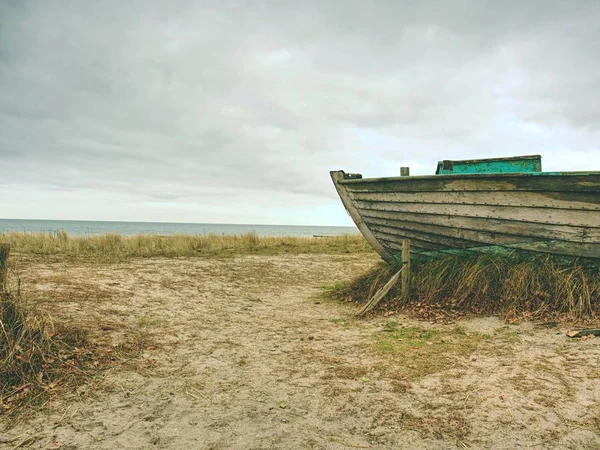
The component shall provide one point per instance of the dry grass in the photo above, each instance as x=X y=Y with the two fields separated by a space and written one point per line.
x=512 y=285
x=38 y=359
x=415 y=352
x=407 y=353
x=114 y=246
x=33 y=356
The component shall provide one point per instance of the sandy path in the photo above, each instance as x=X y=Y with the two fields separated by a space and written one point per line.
x=235 y=338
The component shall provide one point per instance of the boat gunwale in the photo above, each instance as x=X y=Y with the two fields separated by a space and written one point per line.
x=467 y=203
x=468 y=176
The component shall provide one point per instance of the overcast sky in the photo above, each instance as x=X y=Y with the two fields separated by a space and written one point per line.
x=235 y=111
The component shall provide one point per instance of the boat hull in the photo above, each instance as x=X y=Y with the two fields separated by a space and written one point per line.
x=556 y=213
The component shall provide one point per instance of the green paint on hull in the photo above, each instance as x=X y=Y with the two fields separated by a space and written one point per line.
x=519 y=164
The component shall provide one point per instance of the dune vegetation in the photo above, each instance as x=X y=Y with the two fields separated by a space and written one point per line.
x=508 y=284
x=115 y=246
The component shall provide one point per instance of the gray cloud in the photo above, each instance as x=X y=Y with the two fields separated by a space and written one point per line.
x=233 y=102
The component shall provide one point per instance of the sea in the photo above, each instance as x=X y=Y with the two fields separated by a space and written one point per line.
x=89 y=228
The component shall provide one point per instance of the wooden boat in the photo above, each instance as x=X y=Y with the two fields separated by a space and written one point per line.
x=474 y=204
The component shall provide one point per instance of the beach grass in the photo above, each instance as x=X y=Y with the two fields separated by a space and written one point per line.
x=115 y=246
x=34 y=357
x=510 y=285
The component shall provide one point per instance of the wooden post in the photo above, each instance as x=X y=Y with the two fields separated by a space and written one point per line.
x=404 y=272
x=404 y=171
x=4 y=252
x=406 y=267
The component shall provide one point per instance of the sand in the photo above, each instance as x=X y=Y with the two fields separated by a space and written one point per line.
x=244 y=353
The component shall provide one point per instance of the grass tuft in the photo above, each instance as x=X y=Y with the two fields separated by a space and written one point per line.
x=513 y=285
x=30 y=353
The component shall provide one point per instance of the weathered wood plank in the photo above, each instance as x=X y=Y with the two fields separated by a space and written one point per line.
x=512 y=213
x=452 y=236
x=393 y=246
x=520 y=233
x=543 y=231
x=399 y=234
x=559 y=200
x=394 y=241
x=572 y=249
x=576 y=249
x=573 y=182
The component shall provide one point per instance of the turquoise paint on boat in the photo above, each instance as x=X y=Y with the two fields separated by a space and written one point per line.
x=519 y=164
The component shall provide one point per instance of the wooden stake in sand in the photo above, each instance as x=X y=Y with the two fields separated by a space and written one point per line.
x=4 y=252
x=404 y=271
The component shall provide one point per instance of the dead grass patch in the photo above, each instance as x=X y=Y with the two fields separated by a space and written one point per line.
x=404 y=354
x=512 y=285
x=336 y=367
x=41 y=360
x=430 y=421
x=348 y=372
x=415 y=352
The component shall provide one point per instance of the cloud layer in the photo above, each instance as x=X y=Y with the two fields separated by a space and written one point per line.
x=235 y=111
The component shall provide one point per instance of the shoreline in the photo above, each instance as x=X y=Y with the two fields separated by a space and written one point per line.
x=91 y=228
